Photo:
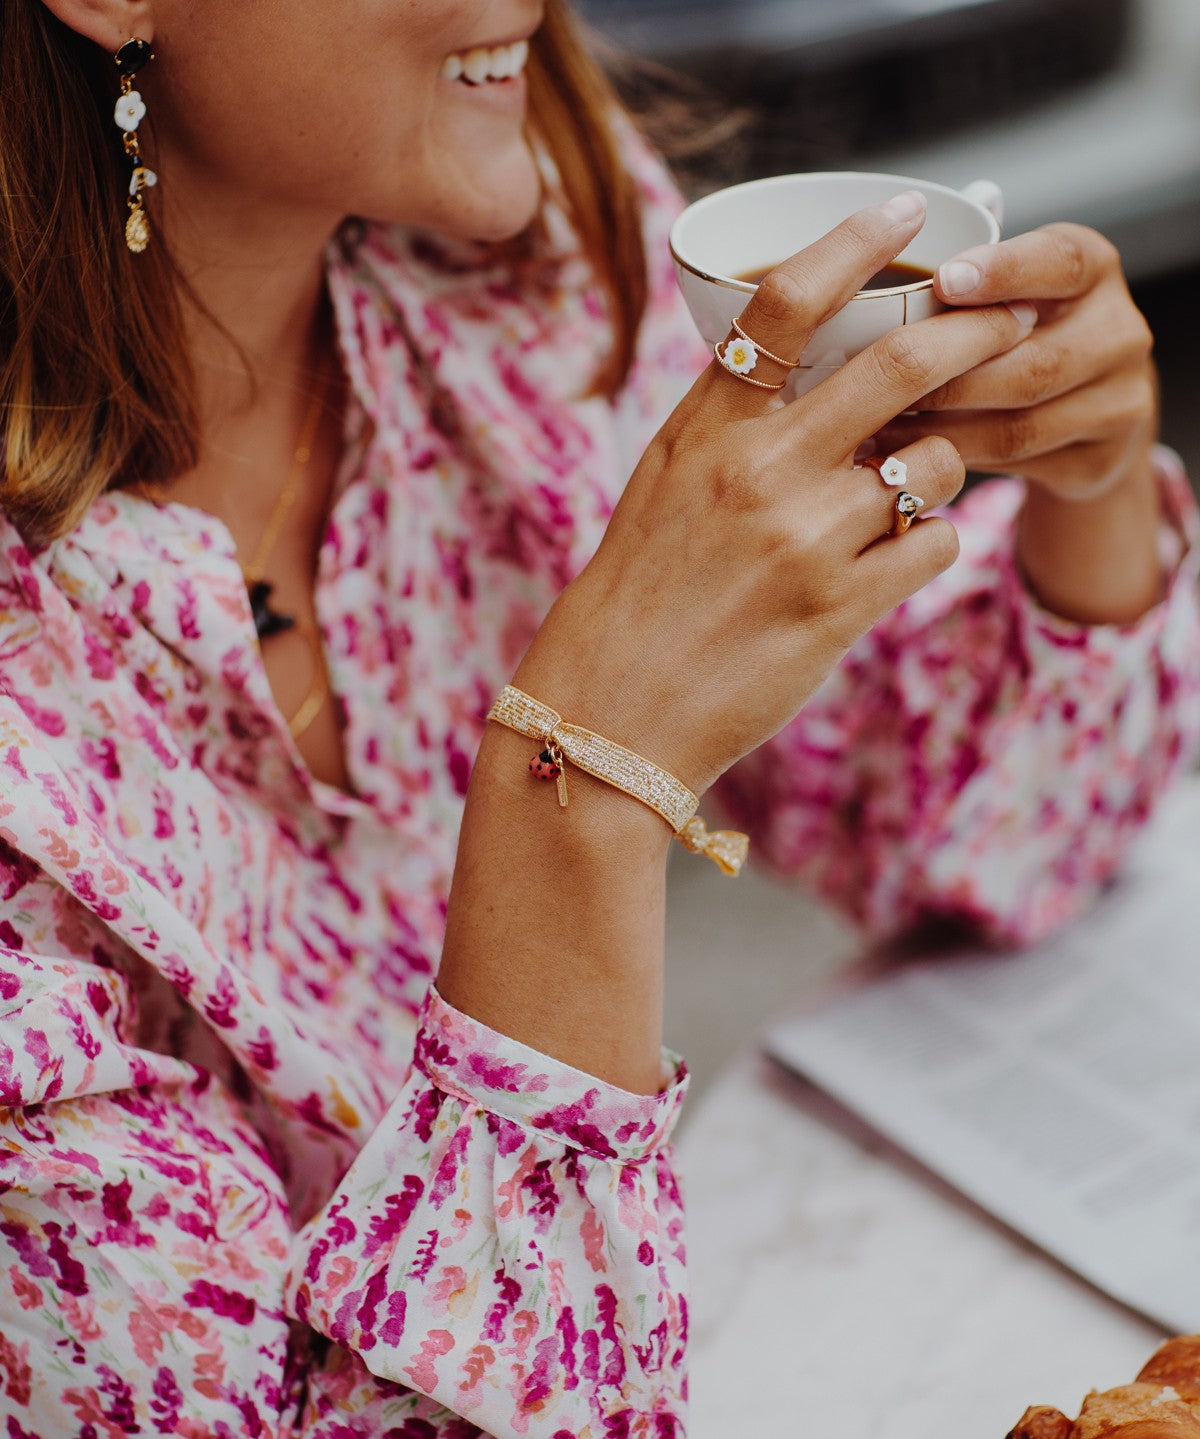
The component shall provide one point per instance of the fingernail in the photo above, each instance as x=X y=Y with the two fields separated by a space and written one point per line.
x=1025 y=312
x=904 y=208
x=959 y=277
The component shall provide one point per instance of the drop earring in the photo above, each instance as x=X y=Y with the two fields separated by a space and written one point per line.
x=129 y=114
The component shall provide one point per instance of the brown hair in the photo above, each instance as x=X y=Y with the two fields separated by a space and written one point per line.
x=95 y=384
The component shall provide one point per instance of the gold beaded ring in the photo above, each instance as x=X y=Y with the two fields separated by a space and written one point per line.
x=740 y=358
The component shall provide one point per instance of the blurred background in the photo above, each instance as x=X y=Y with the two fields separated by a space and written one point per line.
x=1086 y=110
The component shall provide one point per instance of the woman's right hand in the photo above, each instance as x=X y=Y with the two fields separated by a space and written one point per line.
x=747 y=554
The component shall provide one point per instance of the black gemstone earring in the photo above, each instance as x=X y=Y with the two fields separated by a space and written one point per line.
x=129 y=114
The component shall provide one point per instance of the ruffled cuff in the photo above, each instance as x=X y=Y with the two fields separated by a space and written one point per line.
x=468 y=1061
x=509 y=1243
x=1168 y=629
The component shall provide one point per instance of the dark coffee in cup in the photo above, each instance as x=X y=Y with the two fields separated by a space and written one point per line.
x=891 y=277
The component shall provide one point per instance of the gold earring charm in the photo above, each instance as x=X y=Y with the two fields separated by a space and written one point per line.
x=129 y=114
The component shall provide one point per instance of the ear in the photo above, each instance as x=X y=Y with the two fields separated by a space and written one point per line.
x=108 y=22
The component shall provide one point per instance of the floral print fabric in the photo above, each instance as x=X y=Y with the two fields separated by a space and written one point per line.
x=256 y=1177
x=976 y=758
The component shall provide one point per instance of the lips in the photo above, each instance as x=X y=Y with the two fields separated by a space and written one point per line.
x=487 y=65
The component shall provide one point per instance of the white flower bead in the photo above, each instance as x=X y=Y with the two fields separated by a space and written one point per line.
x=740 y=356
x=130 y=111
x=895 y=472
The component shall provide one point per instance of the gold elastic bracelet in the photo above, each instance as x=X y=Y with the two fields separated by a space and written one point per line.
x=619 y=767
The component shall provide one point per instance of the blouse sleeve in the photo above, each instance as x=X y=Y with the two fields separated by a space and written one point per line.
x=510 y=1242
x=504 y=1235
x=976 y=758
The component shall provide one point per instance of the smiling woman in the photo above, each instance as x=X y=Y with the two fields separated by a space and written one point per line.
x=347 y=404
x=99 y=356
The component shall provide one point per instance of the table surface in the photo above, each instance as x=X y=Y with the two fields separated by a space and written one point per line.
x=840 y=1290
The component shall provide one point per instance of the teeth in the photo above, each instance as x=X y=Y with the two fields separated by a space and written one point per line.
x=477 y=66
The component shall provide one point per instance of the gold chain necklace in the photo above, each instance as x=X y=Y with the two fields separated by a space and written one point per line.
x=267 y=621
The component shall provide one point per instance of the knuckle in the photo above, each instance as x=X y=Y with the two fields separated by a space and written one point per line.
x=1040 y=376
x=780 y=300
x=1142 y=337
x=944 y=458
x=668 y=449
x=952 y=395
x=1072 y=243
x=942 y=542
x=902 y=358
x=1138 y=407
x=1018 y=436
x=861 y=233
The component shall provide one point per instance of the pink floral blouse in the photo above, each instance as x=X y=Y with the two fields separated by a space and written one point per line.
x=256 y=1177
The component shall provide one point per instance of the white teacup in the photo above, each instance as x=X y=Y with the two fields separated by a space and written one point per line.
x=752 y=227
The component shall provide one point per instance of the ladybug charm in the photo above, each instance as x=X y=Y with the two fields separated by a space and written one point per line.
x=545 y=766
x=549 y=765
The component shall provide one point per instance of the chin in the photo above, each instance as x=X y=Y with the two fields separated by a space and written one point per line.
x=498 y=207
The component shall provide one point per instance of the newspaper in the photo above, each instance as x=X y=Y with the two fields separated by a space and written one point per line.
x=1058 y=1088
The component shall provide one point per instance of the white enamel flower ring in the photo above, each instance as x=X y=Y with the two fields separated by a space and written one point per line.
x=740 y=356
x=130 y=111
x=889 y=469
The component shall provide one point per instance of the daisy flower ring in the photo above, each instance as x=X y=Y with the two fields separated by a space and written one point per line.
x=740 y=356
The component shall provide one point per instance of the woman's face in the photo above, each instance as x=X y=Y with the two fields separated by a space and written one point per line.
x=405 y=110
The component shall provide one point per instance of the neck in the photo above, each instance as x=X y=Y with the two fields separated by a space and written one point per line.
x=256 y=331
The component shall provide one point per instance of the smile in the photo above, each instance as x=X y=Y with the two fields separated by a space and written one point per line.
x=481 y=67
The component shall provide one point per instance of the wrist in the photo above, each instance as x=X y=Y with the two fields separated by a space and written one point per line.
x=1094 y=559
x=588 y=678
x=601 y=828
x=554 y=931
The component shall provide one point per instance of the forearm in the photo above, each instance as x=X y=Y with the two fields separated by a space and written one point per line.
x=1094 y=561
x=555 y=927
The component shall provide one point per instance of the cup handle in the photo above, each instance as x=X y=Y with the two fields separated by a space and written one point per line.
x=988 y=194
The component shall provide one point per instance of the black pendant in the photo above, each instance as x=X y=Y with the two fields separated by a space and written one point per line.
x=133 y=55
x=267 y=622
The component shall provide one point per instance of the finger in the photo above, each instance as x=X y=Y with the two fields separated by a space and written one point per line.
x=811 y=287
x=1006 y=440
x=1058 y=262
x=1055 y=359
x=891 y=375
x=895 y=568
x=935 y=474
x=1083 y=470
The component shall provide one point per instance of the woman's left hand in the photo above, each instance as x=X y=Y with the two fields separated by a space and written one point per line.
x=1074 y=407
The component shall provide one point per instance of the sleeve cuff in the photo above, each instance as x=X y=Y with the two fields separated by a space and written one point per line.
x=481 y=1067
x=1179 y=533
x=988 y=522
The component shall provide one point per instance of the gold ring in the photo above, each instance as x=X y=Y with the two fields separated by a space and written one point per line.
x=741 y=356
x=908 y=507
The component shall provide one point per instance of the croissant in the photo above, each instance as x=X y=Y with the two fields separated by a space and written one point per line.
x=1162 y=1403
